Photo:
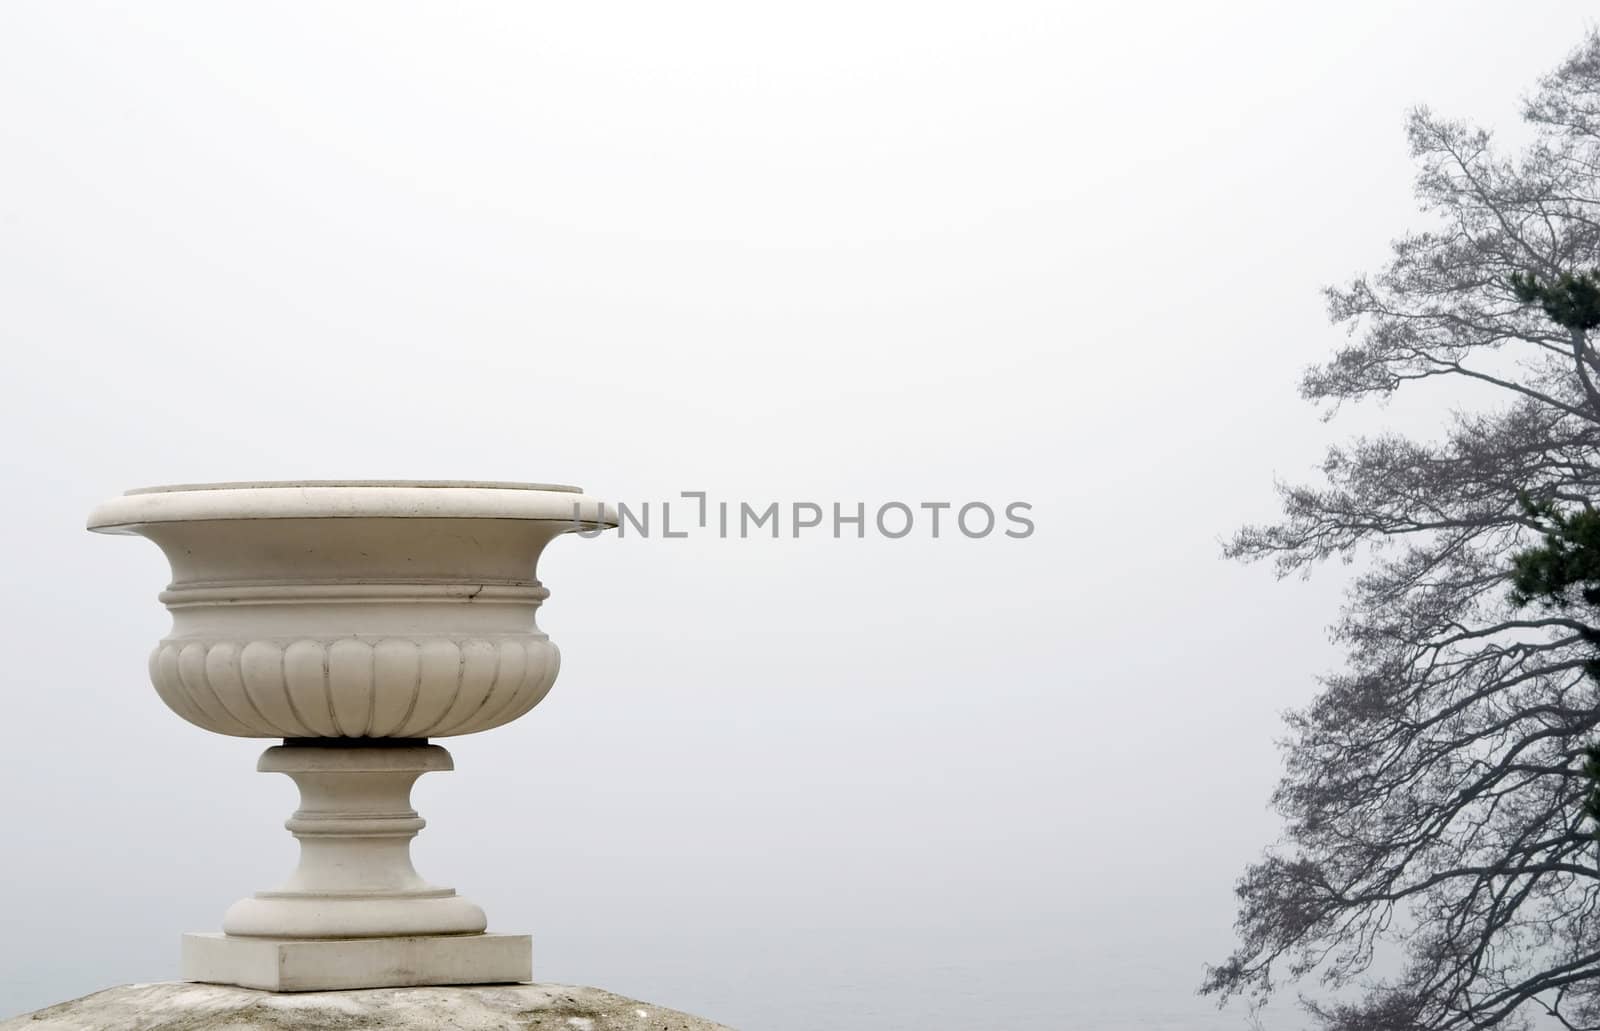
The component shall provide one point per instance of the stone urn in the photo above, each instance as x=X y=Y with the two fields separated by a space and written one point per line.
x=355 y=621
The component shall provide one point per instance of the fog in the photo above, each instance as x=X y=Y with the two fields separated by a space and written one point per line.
x=1068 y=255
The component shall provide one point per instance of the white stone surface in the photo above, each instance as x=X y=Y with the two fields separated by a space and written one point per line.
x=279 y=965
x=199 y=1007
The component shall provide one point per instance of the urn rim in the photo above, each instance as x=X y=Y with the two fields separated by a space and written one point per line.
x=176 y=488
x=350 y=499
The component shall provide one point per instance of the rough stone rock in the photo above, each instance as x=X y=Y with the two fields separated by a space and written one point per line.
x=178 y=1006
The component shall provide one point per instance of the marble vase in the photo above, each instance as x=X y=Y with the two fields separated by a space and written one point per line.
x=357 y=622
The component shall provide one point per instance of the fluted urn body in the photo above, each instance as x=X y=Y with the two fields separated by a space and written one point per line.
x=353 y=620
x=352 y=610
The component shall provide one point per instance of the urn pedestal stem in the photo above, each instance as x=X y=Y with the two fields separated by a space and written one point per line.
x=355 y=824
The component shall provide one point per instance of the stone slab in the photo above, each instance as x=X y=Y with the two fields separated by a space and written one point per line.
x=311 y=965
x=207 y=1007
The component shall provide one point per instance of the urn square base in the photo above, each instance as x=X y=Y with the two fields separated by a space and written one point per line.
x=311 y=965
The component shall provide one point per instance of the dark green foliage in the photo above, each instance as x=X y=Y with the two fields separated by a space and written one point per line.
x=1567 y=561
x=1572 y=301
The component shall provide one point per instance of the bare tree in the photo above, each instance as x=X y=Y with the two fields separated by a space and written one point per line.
x=1433 y=793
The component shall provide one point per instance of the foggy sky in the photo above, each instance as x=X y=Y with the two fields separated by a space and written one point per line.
x=1061 y=253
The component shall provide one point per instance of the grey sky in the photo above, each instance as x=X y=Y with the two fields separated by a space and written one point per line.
x=1067 y=254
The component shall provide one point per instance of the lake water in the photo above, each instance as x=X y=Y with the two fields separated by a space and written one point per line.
x=1038 y=994
x=1108 y=991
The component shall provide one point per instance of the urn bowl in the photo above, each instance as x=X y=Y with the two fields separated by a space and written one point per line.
x=353 y=609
